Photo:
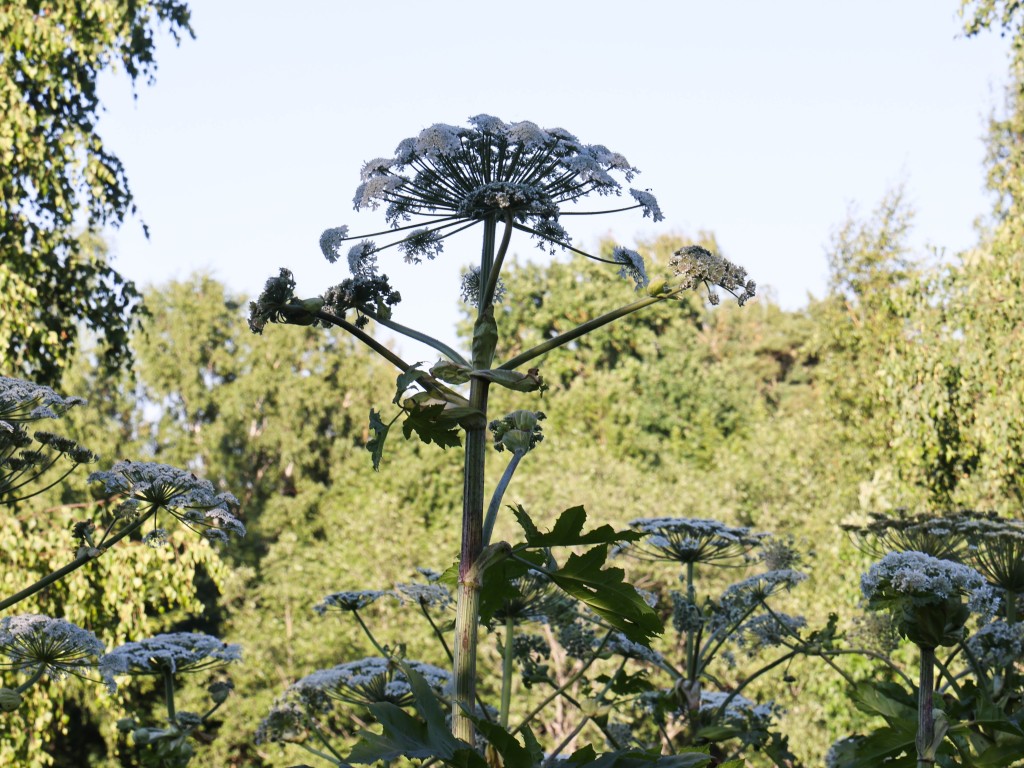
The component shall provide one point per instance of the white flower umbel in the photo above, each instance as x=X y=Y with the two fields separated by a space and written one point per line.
x=351 y=600
x=22 y=401
x=997 y=645
x=921 y=579
x=453 y=177
x=741 y=599
x=175 y=652
x=366 y=681
x=738 y=709
x=286 y=722
x=689 y=540
x=40 y=644
x=426 y=595
x=189 y=499
x=633 y=266
x=696 y=265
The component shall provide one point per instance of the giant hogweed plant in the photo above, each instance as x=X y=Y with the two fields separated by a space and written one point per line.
x=951 y=586
x=501 y=179
x=140 y=500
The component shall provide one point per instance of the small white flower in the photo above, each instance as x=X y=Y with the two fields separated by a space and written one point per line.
x=691 y=540
x=696 y=265
x=633 y=266
x=925 y=579
x=433 y=595
x=362 y=260
x=648 y=203
x=998 y=645
x=192 y=501
x=331 y=240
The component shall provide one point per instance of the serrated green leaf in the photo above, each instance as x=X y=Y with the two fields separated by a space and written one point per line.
x=607 y=594
x=424 y=421
x=568 y=530
x=514 y=754
x=870 y=751
x=403 y=735
x=375 y=445
x=406 y=380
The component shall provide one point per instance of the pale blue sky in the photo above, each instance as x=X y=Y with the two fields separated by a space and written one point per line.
x=762 y=122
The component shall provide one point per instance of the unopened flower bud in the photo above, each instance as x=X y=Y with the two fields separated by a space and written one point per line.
x=220 y=691
x=10 y=699
x=657 y=287
x=144 y=735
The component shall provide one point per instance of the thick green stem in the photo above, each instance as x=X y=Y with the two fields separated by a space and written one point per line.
x=925 y=709
x=487 y=296
x=691 y=656
x=506 y=672
x=75 y=564
x=467 y=611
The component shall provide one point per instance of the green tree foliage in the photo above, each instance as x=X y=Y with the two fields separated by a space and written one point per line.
x=947 y=391
x=58 y=174
x=133 y=589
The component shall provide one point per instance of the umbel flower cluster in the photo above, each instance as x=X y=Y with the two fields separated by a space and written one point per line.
x=25 y=457
x=456 y=177
x=55 y=647
x=192 y=501
x=448 y=179
x=926 y=595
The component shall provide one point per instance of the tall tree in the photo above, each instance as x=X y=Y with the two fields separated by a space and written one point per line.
x=58 y=174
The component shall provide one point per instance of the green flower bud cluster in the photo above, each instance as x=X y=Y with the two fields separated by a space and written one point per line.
x=519 y=431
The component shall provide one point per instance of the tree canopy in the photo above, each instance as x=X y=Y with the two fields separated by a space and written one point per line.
x=59 y=180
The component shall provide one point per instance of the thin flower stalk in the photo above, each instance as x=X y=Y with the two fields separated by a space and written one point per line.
x=84 y=556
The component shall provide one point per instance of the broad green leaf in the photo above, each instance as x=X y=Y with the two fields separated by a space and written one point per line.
x=568 y=530
x=514 y=754
x=889 y=701
x=607 y=594
x=425 y=422
x=883 y=745
x=403 y=735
